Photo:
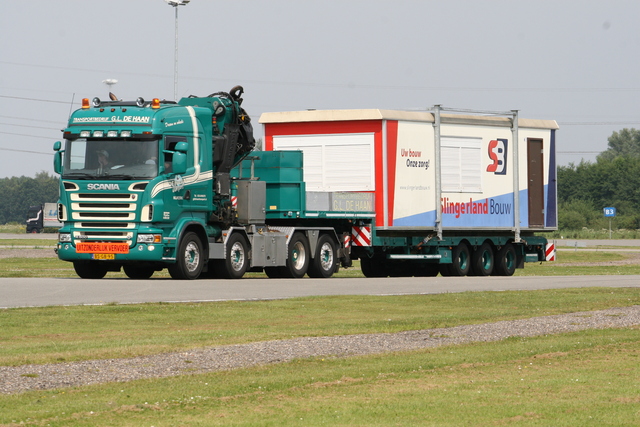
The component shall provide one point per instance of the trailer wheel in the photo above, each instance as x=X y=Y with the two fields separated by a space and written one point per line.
x=325 y=261
x=237 y=261
x=189 y=260
x=90 y=270
x=425 y=270
x=506 y=261
x=373 y=267
x=138 y=272
x=298 y=257
x=482 y=260
x=460 y=260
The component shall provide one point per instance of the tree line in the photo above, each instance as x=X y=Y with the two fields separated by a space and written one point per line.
x=18 y=193
x=613 y=180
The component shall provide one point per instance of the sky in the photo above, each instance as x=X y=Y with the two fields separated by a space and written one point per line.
x=575 y=62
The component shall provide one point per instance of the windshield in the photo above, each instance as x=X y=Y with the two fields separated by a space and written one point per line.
x=111 y=159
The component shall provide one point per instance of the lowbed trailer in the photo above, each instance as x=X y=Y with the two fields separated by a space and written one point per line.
x=456 y=193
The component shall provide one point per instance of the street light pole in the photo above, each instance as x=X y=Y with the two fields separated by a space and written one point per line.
x=175 y=4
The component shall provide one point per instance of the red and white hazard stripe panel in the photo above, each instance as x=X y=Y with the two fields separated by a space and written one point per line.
x=550 y=252
x=361 y=236
x=346 y=241
x=234 y=201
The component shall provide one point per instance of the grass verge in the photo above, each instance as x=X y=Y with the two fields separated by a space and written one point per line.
x=57 y=334
x=578 y=379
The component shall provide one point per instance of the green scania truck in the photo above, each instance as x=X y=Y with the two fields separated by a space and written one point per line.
x=149 y=185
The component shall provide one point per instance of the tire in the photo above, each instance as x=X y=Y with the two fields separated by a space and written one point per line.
x=425 y=270
x=90 y=269
x=374 y=266
x=297 y=257
x=460 y=260
x=138 y=272
x=212 y=271
x=273 y=272
x=237 y=261
x=189 y=260
x=506 y=261
x=483 y=260
x=445 y=270
x=325 y=262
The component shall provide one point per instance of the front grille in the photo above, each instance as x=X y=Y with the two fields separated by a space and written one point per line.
x=104 y=217
x=103 y=196
x=103 y=236
x=104 y=205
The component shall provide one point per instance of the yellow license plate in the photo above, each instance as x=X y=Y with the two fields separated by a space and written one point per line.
x=103 y=256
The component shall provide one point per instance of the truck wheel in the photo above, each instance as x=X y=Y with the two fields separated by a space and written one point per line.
x=325 y=261
x=506 y=261
x=138 y=272
x=237 y=261
x=273 y=272
x=90 y=270
x=297 y=257
x=460 y=260
x=482 y=260
x=189 y=259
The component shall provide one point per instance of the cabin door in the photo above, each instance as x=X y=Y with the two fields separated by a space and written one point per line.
x=535 y=175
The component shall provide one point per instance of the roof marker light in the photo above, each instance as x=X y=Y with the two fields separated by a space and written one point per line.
x=85 y=103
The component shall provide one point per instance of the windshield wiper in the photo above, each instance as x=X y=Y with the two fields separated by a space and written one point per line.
x=118 y=176
x=80 y=175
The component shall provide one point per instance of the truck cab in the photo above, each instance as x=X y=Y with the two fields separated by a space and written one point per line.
x=136 y=177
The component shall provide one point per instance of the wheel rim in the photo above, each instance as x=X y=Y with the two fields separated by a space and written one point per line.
x=191 y=257
x=326 y=256
x=463 y=260
x=298 y=256
x=509 y=259
x=487 y=260
x=237 y=256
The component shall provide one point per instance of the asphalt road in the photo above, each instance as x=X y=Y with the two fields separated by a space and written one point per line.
x=26 y=292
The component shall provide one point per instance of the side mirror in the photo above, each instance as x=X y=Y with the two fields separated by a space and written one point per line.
x=182 y=147
x=179 y=163
x=57 y=157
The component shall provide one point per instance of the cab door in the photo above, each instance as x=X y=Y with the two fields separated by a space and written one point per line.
x=189 y=191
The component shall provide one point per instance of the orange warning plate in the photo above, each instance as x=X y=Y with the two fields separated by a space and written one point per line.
x=102 y=248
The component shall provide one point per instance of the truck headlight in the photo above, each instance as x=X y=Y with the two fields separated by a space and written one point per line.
x=149 y=238
x=64 y=237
